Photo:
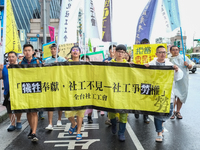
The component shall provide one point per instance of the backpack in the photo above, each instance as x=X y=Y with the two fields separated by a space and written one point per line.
x=38 y=62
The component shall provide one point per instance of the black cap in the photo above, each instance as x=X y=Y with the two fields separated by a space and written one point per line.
x=144 y=41
x=121 y=47
x=53 y=45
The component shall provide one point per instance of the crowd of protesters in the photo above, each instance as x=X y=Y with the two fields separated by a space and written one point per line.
x=118 y=54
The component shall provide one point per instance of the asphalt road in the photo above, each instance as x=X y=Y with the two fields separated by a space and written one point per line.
x=179 y=134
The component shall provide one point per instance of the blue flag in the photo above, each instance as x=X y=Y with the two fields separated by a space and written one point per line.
x=107 y=19
x=146 y=21
x=172 y=11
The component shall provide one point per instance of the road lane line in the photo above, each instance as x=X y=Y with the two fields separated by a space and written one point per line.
x=7 y=138
x=134 y=138
x=95 y=114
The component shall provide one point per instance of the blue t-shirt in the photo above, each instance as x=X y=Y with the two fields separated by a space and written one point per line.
x=52 y=60
x=5 y=80
x=33 y=61
x=108 y=59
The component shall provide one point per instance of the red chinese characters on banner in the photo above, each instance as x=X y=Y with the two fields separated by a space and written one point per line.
x=138 y=60
x=144 y=59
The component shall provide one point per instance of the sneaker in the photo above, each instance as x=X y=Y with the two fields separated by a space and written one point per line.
x=146 y=119
x=121 y=137
x=107 y=122
x=34 y=138
x=11 y=128
x=49 y=127
x=90 y=119
x=18 y=125
x=29 y=135
x=59 y=123
x=137 y=116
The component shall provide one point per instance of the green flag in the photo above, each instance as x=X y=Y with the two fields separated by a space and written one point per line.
x=89 y=45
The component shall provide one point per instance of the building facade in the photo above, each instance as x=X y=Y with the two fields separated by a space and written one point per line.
x=25 y=11
x=176 y=40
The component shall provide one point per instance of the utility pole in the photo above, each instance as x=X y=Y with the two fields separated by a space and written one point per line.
x=1 y=58
x=45 y=18
x=44 y=23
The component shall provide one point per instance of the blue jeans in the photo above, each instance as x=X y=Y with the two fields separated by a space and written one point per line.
x=158 y=120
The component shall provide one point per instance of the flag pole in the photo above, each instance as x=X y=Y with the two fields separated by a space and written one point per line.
x=4 y=32
x=2 y=60
x=182 y=43
x=111 y=12
x=85 y=30
x=1 y=48
x=59 y=27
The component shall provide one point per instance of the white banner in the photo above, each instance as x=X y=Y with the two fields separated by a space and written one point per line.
x=166 y=19
x=91 y=21
x=170 y=11
x=68 y=21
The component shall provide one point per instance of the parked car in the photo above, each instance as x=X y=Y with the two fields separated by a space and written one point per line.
x=193 y=69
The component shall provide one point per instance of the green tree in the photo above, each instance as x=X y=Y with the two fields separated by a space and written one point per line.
x=198 y=44
x=189 y=50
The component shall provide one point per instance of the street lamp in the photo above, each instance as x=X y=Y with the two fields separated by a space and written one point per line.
x=193 y=41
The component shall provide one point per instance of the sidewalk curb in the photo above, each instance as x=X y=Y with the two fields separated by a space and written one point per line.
x=3 y=115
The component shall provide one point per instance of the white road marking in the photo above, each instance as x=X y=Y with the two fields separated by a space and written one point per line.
x=67 y=127
x=73 y=143
x=95 y=114
x=67 y=135
x=134 y=138
x=8 y=137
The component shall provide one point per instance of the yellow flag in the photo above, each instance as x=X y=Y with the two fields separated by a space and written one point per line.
x=11 y=37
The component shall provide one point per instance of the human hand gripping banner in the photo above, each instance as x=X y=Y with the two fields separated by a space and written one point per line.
x=113 y=87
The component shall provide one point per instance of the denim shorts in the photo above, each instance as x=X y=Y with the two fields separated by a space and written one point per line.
x=164 y=118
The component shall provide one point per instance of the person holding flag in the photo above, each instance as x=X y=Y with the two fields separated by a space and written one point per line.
x=48 y=61
x=181 y=87
x=171 y=9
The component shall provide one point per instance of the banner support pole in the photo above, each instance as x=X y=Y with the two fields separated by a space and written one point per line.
x=182 y=43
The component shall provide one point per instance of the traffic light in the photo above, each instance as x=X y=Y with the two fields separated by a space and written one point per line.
x=175 y=43
x=178 y=44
